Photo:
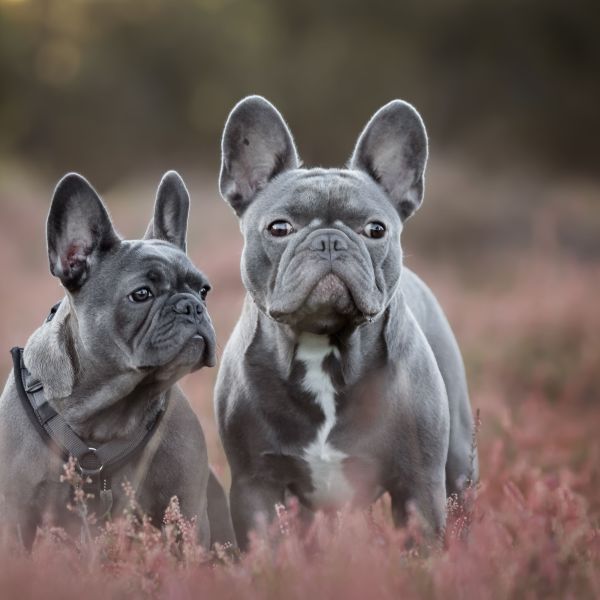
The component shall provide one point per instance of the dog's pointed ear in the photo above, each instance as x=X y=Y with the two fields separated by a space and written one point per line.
x=171 y=210
x=78 y=230
x=392 y=149
x=257 y=145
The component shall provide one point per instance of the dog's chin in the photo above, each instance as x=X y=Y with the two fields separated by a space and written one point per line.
x=198 y=351
x=328 y=309
x=323 y=324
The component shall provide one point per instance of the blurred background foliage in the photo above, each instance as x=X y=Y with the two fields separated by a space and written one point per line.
x=113 y=87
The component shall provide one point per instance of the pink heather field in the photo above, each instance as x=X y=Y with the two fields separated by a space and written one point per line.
x=520 y=281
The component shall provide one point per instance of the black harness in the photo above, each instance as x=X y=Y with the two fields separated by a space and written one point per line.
x=95 y=463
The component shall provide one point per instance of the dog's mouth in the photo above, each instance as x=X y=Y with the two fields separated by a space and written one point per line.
x=196 y=350
x=330 y=293
x=206 y=349
x=328 y=308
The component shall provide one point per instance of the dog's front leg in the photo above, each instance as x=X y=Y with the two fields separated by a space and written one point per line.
x=20 y=524
x=253 y=501
x=428 y=497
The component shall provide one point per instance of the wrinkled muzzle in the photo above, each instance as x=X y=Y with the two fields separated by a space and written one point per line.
x=184 y=334
x=324 y=283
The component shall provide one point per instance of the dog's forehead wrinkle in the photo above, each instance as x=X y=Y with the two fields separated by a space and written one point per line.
x=156 y=258
x=347 y=195
x=194 y=277
x=329 y=184
x=159 y=248
x=337 y=198
x=319 y=172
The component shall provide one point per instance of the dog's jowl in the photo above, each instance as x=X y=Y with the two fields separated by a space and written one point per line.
x=342 y=379
x=97 y=380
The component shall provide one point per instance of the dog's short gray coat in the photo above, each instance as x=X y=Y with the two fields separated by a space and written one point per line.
x=342 y=378
x=107 y=363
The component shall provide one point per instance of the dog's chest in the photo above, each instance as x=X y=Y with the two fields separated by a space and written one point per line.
x=330 y=485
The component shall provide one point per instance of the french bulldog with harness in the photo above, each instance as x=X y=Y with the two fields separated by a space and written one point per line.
x=97 y=381
x=342 y=379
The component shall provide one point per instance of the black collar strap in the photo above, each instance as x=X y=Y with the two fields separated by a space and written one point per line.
x=93 y=462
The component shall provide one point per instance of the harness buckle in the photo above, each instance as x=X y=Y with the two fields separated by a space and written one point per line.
x=85 y=471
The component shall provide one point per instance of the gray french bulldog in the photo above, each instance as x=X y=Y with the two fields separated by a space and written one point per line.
x=132 y=323
x=342 y=379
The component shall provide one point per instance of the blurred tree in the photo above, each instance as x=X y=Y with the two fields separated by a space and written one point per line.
x=105 y=85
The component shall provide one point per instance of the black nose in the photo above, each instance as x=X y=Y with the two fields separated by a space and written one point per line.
x=187 y=304
x=329 y=244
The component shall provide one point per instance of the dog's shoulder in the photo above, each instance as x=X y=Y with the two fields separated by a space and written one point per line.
x=419 y=297
x=177 y=452
x=181 y=422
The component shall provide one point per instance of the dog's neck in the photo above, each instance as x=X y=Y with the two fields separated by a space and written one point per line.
x=97 y=406
x=358 y=349
x=112 y=408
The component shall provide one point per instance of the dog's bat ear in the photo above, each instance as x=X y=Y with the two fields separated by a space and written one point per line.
x=77 y=231
x=257 y=146
x=171 y=211
x=392 y=149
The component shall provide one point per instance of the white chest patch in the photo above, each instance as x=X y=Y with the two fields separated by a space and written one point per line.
x=331 y=488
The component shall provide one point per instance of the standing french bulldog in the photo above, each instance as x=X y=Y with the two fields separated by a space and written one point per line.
x=132 y=323
x=342 y=379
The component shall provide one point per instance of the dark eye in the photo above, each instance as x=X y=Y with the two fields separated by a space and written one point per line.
x=141 y=295
x=375 y=229
x=280 y=228
x=204 y=291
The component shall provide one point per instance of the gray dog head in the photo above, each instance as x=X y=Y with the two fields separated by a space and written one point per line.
x=137 y=306
x=322 y=246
